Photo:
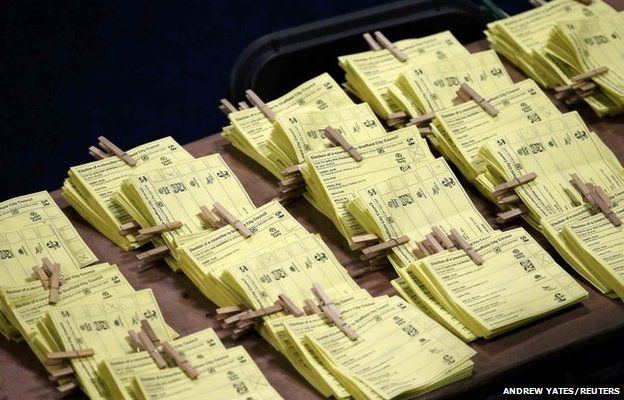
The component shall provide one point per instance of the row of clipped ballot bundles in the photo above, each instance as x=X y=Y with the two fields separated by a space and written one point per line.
x=564 y=39
x=213 y=260
x=531 y=136
x=281 y=258
x=96 y=308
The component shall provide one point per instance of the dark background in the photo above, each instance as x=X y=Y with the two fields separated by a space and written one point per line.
x=133 y=71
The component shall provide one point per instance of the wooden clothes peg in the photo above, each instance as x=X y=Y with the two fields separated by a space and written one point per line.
x=232 y=220
x=372 y=43
x=257 y=102
x=129 y=228
x=506 y=216
x=514 y=183
x=331 y=312
x=148 y=345
x=442 y=238
x=387 y=245
x=157 y=252
x=337 y=139
x=422 y=119
x=53 y=296
x=149 y=331
x=210 y=219
x=226 y=107
x=391 y=47
x=134 y=339
x=166 y=227
x=180 y=360
x=463 y=244
x=70 y=354
x=311 y=307
x=110 y=148
x=467 y=92
x=537 y=3
x=590 y=74
x=289 y=306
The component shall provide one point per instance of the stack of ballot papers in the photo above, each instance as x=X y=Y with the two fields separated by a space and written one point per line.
x=518 y=282
x=399 y=352
x=522 y=38
x=175 y=194
x=299 y=133
x=431 y=87
x=461 y=130
x=332 y=176
x=89 y=188
x=33 y=227
x=590 y=52
x=371 y=74
x=250 y=129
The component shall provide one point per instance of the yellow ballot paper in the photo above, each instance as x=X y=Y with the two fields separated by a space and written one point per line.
x=119 y=373
x=411 y=203
x=302 y=132
x=600 y=245
x=231 y=374
x=400 y=352
x=518 y=282
x=260 y=278
x=433 y=86
x=89 y=188
x=460 y=131
x=177 y=192
x=250 y=129
x=205 y=258
x=588 y=44
x=371 y=73
x=522 y=37
x=103 y=327
x=333 y=177
x=32 y=227
x=553 y=149
x=289 y=334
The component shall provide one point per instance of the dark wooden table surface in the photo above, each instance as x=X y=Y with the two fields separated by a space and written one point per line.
x=187 y=311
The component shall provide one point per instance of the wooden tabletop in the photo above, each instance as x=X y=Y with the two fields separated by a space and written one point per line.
x=187 y=310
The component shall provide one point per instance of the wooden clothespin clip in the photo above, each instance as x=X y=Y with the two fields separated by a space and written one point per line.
x=61 y=373
x=290 y=307
x=384 y=246
x=332 y=313
x=40 y=275
x=463 y=244
x=422 y=119
x=466 y=92
x=156 y=252
x=510 y=199
x=537 y=3
x=224 y=312
x=504 y=217
x=148 y=345
x=433 y=243
x=334 y=136
x=292 y=170
x=372 y=43
x=606 y=206
x=421 y=250
x=226 y=107
x=242 y=105
x=442 y=238
x=129 y=228
x=210 y=219
x=360 y=241
x=514 y=183
x=134 y=339
x=310 y=307
x=55 y=278
x=396 y=118
x=590 y=74
x=232 y=220
x=69 y=354
x=110 y=149
x=149 y=331
x=256 y=101
x=391 y=47
x=597 y=197
x=180 y=360
x=166 y=227
x=67 y=388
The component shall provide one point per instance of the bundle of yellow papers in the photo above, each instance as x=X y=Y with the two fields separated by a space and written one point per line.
x=523 y=37
x=89 y=188
x=333 y=177
x=230 y=374
x=460 y=131
x=400 y=352
x=584 y=45
x=177 y=192
x=433 y=86
x=553 y=149
x=299 y=133
x=250 y=129
x=119 y=373
x=204 y=258
x=371 y=73
x=518 y=282
x=33 y=227
x=103 y=327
